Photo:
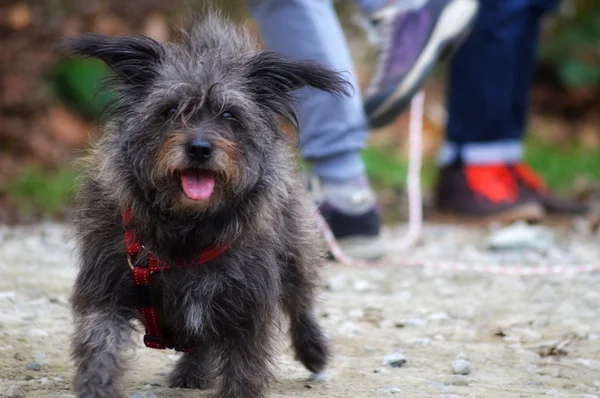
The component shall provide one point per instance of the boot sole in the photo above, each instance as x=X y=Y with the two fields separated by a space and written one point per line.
x=530 y=212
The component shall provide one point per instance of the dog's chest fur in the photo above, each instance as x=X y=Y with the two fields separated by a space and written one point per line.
x=203 y=301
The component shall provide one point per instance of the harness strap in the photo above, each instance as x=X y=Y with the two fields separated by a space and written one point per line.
x=142 y=277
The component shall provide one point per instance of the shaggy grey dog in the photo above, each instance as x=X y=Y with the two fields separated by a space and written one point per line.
x=195 y=155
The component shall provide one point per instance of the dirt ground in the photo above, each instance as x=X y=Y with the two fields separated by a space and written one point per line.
x=524 y=337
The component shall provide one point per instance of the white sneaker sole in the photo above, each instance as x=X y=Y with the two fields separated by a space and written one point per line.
x=454 y=20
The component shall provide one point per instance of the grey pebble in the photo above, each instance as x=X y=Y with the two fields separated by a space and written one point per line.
x=590 y=396
x=461 y=367
x=318 y=377
x=395 y=359
x=35 y=365
x=15 y=391
x=19 y=357
x=389 y=390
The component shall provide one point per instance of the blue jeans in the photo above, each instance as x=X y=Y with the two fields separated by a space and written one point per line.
x=488 y=84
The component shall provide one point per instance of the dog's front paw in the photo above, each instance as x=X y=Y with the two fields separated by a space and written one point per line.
x=311 y=346
x=188 y=379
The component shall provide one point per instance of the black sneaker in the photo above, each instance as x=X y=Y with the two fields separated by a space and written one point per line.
x=534 y=186
x=352 y=214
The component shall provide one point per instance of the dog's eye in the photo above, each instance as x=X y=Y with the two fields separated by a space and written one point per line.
x=227 y=116
x=170 y=111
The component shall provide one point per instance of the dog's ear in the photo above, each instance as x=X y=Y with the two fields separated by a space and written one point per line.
x=273 y=79
x=133 y=59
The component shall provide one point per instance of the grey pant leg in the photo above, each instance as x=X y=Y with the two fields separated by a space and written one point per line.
x=333 y=129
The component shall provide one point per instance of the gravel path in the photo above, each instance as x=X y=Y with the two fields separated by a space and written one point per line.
x=505 y=336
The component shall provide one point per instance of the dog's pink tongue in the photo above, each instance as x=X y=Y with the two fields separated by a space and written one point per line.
x=197 y=185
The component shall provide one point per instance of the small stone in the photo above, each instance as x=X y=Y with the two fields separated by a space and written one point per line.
x=461 y=355
x=458 y=380
x=361 y=285
x=19 y=357
x=35 y=365
x=7 y=295
x=530 y=336
x=38 y=333
x=590 y=396
x=438 y=316
x=395 y=359
x=337 y=283
x=415 y=322
x=380 y=370
x=15 y=391
x=461 y=367
x=317 y=377
x=349 y=329
x=368 y=348
x=421 y=341
x=389 y=390
x=582 y=361
x=44 y=381
x=593 y=336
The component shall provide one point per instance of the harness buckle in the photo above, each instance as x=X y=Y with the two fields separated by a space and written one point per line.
x=149 y=340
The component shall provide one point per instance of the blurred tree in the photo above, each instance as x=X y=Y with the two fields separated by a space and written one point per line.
x=572 y=44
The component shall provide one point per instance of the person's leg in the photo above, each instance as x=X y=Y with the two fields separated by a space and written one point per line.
x=481 y=134
x=529 y=182
x=333 y=130
x=488 y=94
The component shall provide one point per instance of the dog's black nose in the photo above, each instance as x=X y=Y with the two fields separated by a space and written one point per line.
x=199 y=150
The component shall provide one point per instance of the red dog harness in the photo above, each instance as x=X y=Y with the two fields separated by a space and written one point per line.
x=142 y=276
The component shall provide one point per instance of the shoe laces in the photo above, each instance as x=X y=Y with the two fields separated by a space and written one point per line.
x=494 y=182
x=529 y=177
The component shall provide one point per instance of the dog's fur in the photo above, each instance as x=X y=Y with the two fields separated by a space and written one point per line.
x=227 y=308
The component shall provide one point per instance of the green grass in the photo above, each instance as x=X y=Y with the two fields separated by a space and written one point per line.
x=385 y=169
x=561 y=167
x=43 y=192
